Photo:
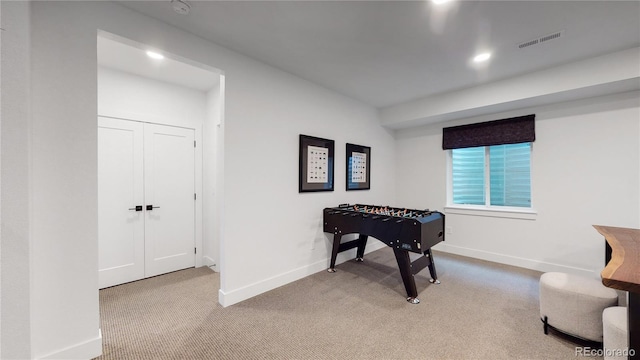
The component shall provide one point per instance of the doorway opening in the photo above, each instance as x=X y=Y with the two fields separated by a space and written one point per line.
x=175 y=98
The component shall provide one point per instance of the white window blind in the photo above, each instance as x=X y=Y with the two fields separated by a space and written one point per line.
x=510 y=174
x=506 y=183
x=468 y=176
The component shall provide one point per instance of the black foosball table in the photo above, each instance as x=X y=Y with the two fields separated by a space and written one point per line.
x=404 y=230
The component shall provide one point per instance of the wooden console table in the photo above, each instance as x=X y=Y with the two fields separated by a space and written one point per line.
x=622 y=272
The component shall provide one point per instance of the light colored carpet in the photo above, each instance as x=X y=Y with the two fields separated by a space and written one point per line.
x=481 y=310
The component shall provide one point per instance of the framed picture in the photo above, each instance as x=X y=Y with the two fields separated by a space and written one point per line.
x=316 y=164
x=358 y=167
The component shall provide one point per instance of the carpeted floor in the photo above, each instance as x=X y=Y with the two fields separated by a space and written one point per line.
x=481 y=310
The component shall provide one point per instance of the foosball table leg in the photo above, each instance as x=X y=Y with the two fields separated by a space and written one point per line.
x=362 y=243
x=404 y=264
x=432 y=268
x=334 y=251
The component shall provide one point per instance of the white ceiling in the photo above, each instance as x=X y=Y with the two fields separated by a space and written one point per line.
x=389 y=52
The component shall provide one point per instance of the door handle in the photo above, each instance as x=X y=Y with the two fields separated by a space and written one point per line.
x=137 y=208
x=151 y=207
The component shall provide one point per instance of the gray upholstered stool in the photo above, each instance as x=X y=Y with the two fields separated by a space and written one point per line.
x=574 y=304
x=614 y=333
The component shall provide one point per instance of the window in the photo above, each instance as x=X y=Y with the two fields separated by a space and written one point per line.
x=498 y=175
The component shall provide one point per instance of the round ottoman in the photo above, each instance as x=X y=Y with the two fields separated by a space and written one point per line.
x=614 y=333
x=574 y=304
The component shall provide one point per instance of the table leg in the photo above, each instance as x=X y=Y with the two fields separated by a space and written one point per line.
x=334 y=252
x=362 y=243
x=432 y=267
x=404 y=264
x=633 y=317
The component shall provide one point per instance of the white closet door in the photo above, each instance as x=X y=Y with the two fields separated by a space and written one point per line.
x=169 y=188
x=120 y=190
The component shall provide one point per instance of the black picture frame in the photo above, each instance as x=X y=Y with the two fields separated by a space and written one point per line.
x=316 y=164
x=358 y=167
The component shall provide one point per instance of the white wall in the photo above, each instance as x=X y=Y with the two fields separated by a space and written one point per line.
x=127 y=96
x=0 y=181
x=584 y=172
x=271 y=234
x=14 y=240
x=211 y=218
x=63 y=217
x=262 y=204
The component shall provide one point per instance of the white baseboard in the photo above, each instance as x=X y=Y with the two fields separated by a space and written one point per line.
x=208 y=261
x=85 y=350
x=537 y=265
x=227 y=298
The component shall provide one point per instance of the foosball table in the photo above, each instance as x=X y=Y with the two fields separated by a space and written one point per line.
x=404 y=230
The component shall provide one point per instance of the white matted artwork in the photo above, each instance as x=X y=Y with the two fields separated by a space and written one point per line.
x=316 y=164
x=358 y=167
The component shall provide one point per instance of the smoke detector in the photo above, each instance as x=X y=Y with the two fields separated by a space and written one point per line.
x=181 y=7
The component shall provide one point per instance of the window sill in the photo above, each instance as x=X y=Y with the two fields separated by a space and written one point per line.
x=506 y=212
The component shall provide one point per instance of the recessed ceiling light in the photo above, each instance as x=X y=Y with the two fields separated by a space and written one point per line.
x=482 y=57
x=438 y=2
x=155 y=55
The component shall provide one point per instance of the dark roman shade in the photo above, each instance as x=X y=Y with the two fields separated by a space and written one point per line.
x=498 y=132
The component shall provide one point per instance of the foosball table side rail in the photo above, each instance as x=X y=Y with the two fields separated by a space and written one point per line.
x=413 y=234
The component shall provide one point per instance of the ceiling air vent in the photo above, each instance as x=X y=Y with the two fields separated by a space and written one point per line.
x=540 y=40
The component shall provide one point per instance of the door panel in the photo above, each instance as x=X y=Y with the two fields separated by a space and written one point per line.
x=139 y=165
x=120 y=188
x=169 y=188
